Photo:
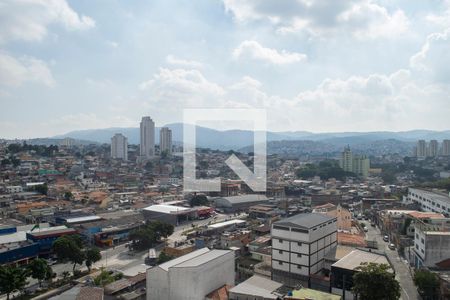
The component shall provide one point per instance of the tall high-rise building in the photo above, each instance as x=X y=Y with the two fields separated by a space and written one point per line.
x=119 y=146
x=433 y=148
x=361 y=165
x=165 y=140
x=147 y=146
x=346 y=161
x=358 y=164
x=421 y=148
x=446 y=147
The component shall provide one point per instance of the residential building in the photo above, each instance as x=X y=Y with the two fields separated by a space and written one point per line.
x=165 y=140
x=299 y=245
x=429 y=200
x=433 y=148
x=147 y=142
x=346 y=161
x=191 y=276
x=358 y=164
x=445 y=148
x=421 y=148
x=361 y=165
x=431 y=242
x=119 y=147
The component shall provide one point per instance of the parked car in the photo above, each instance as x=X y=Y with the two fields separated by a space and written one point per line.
x=391 y=246
x=366 y=229
x=386 y=238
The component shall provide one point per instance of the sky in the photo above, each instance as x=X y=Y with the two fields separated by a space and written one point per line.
x=314 y=65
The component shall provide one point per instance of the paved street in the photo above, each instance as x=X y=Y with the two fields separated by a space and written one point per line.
x=403 y=274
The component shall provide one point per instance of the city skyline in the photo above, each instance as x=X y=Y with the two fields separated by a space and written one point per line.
x=357 y=66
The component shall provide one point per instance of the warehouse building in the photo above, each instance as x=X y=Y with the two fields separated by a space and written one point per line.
x=169 y=213
x=191 y=276
x=239 y=203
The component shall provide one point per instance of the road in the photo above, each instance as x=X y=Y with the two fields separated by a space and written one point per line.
x=401 y=267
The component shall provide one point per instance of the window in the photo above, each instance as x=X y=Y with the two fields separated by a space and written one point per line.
x=417 y=236
x=417 y=246
x=280 y=263
x=299 y=230
x=299 y=244
x=280 y=251
x=299 y=255
x=422 y=240
x=280 y=241
x=299 y=267
x=280 y=227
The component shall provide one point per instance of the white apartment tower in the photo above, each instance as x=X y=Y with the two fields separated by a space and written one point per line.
x=147 y=146
x=299 y=246
x=346 y=161
x=119 y=147
x=165 y=140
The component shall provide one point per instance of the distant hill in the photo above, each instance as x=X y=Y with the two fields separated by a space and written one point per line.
x=333 y=147
x=237 y=139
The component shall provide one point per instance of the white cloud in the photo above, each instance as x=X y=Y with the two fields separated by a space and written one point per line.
x=172 y=60
x=433 y=60
x=253 y=50
x=28 y=19
x=362 y=18
x=394 y=101
x=15 y=72
x=112 y=44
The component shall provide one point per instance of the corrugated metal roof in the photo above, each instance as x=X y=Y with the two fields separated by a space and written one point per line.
x=245 y=198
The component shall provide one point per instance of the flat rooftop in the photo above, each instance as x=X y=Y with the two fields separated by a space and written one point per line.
x=82 y=219
x=168 y=209
x=226 y=223
x=305 y=220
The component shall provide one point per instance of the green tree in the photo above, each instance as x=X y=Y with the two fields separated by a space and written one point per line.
x=92 y=255
x=198 y=200
x=40 y=270
x=164 y=154
x=68 y=195
x=69 y=248
x=12 y=279
x=104 y=278
x=147 y=236
x=374 y=281
x=163 y=257
x=41 y=189
x=427 y=284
